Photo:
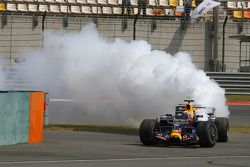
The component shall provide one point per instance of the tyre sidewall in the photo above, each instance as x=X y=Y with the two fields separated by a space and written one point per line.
x=222 y=125
x=207 y=133
x=146 y=132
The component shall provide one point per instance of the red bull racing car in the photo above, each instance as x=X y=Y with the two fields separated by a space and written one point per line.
x=191 y=125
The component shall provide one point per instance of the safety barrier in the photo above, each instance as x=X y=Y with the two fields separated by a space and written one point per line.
x=14 y=111
x=233 y=83
x=21 y=117
x=37 y=107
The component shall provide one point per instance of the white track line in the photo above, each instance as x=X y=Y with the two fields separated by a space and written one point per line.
x=125 y=159
x=62 y=100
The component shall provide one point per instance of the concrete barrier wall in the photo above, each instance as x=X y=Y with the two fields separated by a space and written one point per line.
x=36 y=117
x=14 y=117
x=21 y=113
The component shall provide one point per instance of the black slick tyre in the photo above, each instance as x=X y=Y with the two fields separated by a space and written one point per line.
x=146 y=132
x=207 y=133
x=222 y=125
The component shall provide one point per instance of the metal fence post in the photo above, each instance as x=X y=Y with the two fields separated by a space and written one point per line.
x=208 y=57
x=11 y=38
x=134 y=27
x=215 y=35
x=43 y=21
x=223 y=44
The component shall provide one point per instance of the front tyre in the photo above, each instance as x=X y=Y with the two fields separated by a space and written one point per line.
x=207 y=133
x=146 y=132
x=222 y=125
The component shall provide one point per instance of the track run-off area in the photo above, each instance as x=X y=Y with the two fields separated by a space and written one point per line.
x=89 y=149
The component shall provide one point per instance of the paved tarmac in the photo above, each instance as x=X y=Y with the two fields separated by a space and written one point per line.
x=67 y=148
x=239 y=115
x=88 y=149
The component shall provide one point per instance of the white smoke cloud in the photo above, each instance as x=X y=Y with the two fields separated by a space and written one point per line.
x=117 y=82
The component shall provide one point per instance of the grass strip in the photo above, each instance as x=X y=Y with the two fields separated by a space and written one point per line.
x=238 y=98
x=240 y=129
x=125 y=129
x=95 y=128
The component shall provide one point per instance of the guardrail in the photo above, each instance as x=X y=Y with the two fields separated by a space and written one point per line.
x=233 y=83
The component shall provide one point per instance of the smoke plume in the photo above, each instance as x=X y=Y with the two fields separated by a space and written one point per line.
x=114 y=82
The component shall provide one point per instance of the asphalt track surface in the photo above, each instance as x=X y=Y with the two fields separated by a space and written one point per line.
x=240 y=115
x=88 y=149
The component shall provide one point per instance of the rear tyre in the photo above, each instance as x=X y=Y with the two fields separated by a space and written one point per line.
x=222 y=125
x=146 y=132
x=207 y=133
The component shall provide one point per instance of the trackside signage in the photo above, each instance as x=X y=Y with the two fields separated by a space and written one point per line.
x=203 y=8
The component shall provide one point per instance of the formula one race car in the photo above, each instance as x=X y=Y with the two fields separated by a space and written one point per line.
x=191 y=125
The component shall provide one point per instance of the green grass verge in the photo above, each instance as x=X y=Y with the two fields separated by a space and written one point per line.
x=95 y=128
x=238 y=98
x=240 y=129
x=125 y=129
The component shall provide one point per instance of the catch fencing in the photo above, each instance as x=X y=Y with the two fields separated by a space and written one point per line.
x=19 y=36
